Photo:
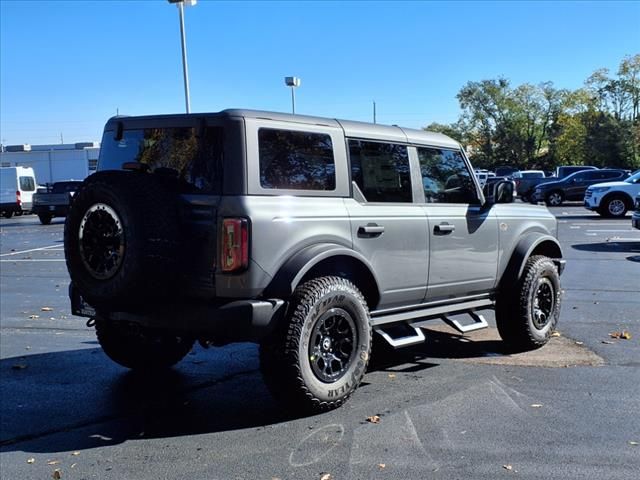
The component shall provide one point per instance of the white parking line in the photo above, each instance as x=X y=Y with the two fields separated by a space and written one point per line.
x=30 y=250
x=33 y=260
x=615 y=231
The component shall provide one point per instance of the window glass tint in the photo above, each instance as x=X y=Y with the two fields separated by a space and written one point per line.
x=27 y=184
x=445 y=177
x=296 y=160
x=196 y=160
x=381 y=170
x=610 y=174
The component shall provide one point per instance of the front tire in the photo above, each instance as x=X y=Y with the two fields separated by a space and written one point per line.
x=140 y=348
x=526 y=314
x=318 y=357
x=614 y=207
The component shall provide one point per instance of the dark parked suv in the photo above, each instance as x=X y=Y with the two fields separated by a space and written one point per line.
x=306 y=235
x=573 y=187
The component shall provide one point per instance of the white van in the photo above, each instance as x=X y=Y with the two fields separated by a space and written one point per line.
x=17 y=186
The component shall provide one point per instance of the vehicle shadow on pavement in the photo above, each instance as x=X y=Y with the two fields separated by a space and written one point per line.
x=75 y=400
x=613 y=246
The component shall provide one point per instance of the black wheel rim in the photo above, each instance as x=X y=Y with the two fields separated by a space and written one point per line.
x=332 y=346
x=543 y=303
x=101 y=241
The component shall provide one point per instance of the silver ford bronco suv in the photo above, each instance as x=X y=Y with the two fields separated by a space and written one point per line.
x=305 y=235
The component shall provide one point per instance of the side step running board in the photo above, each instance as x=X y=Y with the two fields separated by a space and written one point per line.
x=479 y=322
x=399 y=339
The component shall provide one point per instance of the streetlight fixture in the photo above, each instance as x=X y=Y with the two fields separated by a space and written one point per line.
x=292 y=82
x=185 y=71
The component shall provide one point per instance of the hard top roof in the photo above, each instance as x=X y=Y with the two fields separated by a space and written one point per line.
x=351 y=128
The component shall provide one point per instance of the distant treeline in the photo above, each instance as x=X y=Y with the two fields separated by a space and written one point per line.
x=539 y=126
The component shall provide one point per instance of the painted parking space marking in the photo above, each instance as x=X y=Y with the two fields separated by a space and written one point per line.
x=50 y=247
x=33 y=260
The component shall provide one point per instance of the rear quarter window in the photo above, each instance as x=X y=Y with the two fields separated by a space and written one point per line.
x=296 y=160
x=27 y=184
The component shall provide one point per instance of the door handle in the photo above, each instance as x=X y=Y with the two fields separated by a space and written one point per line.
x=443 y=229
x=370 y=230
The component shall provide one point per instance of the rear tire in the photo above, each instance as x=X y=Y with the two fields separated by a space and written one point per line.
x=140 y=348
x=45 y=218
x=318 y=356
x=527 y=313
x=7 y=214
x=554 y=199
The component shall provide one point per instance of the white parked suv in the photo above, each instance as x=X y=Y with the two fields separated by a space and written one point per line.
x=613 y=199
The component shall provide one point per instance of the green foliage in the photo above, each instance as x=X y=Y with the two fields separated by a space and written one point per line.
x=539 y=126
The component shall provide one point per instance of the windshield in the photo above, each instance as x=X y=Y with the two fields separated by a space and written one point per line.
x=195 y=159
x=635 y=178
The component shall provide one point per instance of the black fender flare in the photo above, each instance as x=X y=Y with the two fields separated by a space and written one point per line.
x=533 y=242
x=293 y=270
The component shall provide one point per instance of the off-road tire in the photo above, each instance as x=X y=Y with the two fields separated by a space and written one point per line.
x=614 y=206
x=289 y=365
x=45 y=218
x=520 y=309
x=138 y=261
x=554 y=199
x=140 y=348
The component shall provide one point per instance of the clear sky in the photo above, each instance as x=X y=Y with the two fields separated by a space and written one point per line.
x=66 y=66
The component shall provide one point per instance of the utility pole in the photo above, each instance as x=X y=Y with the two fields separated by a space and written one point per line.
x=185 y=68
x=374 y=111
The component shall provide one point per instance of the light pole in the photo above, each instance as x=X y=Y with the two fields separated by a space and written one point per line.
x=185 y=69
x=292 y=82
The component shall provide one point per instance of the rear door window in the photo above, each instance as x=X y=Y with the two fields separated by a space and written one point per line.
x=381 y=171
x=296 y=160
x=27 y=184
x=195 y=159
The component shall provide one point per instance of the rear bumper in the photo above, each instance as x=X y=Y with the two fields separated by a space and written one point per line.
x=55 y=210
x=223 y=321
x=635 y=220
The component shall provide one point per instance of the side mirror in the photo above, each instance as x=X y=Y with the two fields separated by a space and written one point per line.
x=499 y=192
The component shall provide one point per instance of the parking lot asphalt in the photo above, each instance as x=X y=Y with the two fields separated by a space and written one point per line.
x=455 y=407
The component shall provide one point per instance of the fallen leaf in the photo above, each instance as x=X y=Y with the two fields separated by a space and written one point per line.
x=53 y=462
x=392 y=375
x=19 y=366
x=507 y=467
x=622 y=335
x=555 y=334
x=326 y=476
x=382 y=465
x=31 y=460
x=373 y=419
x=579 y=343
x=607 y=342
x=75 y=454
x=33 y=317
x=57 y=474
x=46 y=309
x=634 y=444
x=536 y=405
x=73 y=465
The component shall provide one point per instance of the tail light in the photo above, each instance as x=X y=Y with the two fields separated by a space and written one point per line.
x=235 y=245
x=18 y=198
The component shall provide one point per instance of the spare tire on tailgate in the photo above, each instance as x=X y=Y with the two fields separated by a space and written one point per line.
x=121 y=238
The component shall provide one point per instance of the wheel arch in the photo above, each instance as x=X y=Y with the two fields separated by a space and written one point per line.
x=531 y=244
x=322 y=260
x=628 y=200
